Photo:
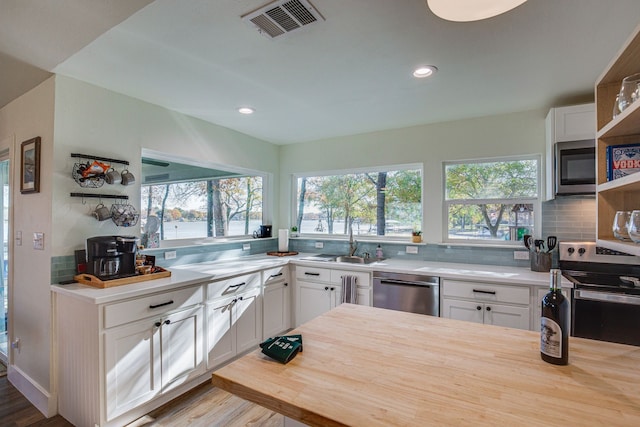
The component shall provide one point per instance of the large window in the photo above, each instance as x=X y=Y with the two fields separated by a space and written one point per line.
x=376 y=202
x=188 y=201
x=491 y=200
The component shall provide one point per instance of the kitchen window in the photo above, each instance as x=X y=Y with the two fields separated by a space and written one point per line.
x=191 y=202
x=374 y=202
x=491 y=200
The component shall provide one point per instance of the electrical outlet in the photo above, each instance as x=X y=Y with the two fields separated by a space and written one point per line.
x=170 y=255
x=246 y=246
x=411 y=249
x=319 y=245
x=520 y=254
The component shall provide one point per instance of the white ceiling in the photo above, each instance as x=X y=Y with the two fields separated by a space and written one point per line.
x=347 y=75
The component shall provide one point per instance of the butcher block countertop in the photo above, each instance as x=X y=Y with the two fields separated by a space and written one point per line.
x=365 y=366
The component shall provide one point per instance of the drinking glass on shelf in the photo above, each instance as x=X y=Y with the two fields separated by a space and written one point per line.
x=628 y=91
x=616 y=106
x=633 y=226
x=620 y=222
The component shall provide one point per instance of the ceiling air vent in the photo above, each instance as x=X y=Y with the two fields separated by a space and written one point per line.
x=282 y=17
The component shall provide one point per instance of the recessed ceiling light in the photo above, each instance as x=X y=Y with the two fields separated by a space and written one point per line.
x=471 y=10
x=245 y=110
x=424 y=71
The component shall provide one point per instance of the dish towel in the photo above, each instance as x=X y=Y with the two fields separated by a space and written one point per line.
x=349 y=289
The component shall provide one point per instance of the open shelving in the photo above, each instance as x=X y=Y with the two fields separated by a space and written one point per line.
x=622 y=193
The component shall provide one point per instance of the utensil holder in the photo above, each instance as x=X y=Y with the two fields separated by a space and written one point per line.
x=540 y=261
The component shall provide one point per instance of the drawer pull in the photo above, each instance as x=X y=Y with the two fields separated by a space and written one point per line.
x=238 y=285
x=152 y=306
x=306 y=273
x=480 y=291
x=275 y=275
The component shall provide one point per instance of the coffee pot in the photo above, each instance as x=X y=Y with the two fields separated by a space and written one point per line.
x=111 y=257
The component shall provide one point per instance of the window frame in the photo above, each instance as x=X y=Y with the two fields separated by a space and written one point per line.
x=267 y=196
x=535 y=201
x=385 y=168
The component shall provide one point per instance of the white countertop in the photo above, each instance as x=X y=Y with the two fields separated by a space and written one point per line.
x=188 y=274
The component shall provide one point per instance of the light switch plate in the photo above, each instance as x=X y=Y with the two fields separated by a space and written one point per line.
x=319 y=245
x=18 y=238
x=38 y=241
x=170 y=255
x=411 y=249
x=520 y=254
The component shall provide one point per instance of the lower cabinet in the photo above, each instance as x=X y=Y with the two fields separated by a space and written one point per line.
x=488 y=303
x=314 y=299
x=234 y=326
x=491 y=314
x=276 y=303
x=150 y=357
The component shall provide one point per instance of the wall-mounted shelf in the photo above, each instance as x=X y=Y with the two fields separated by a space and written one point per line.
x=102 y=159
x=101 y=196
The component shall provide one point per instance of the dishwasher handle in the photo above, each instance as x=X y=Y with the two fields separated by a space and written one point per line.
x=405 y=282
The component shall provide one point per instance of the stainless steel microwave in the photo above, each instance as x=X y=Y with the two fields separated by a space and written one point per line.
x=575 y=167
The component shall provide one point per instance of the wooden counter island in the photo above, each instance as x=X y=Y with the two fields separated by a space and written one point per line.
x=365 y=366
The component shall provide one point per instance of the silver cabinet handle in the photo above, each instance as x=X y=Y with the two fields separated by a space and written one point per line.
x=606 y=297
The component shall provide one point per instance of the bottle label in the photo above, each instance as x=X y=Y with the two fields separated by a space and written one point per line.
x=550 y=338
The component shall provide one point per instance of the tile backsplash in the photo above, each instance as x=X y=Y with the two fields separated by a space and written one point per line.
x=570 y=218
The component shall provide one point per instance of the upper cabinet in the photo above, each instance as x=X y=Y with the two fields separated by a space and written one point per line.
x=622 y=193
x=563 y=124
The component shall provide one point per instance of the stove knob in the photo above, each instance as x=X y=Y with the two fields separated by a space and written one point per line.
x=581 y=251
x=571 y=251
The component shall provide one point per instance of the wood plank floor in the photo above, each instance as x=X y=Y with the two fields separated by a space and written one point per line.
x=203 y=406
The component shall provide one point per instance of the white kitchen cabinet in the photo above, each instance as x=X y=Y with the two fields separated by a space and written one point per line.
x=276 y=301
x=488 y=303
x=234 y=325
x=490 y=314
x=151 y=356
x=318 y=290
x=118 y=360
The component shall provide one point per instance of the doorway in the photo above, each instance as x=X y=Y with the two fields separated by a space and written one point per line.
x=4 y=253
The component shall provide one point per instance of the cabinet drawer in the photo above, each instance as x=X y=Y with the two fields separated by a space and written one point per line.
x=233 y=285
x=153 y=305
x=275 y=274
x=314 y=274
x=482 y=291
x=363 y=279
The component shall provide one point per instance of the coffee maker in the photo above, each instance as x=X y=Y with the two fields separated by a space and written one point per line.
x=111 y=257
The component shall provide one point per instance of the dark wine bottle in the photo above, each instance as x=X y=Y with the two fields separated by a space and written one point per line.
x=554 y=327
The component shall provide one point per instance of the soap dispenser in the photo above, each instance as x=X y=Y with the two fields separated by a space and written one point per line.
x=379 y=252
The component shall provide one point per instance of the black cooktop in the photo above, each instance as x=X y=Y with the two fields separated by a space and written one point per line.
x=623 y=282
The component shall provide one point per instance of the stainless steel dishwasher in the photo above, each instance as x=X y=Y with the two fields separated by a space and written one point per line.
x=407 y=292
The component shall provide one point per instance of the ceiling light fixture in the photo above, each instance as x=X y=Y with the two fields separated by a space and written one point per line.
x=424 y=71
x=245 y=110
x=471 y=10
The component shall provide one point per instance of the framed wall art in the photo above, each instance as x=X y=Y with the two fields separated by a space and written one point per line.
x=30 y=166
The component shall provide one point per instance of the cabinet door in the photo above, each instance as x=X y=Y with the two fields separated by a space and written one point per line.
x=276 y=303
x=247 y=311
x=504 y=315
x=181 y=338
x=312 y=299
x=221 y=336
x=575 y=122
x=468 y=311
x=364 y=296
x=132 y=366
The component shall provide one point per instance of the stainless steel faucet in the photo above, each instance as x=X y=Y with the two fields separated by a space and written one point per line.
x=352 y=243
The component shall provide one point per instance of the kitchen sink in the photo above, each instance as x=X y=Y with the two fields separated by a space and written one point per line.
x=356 y=259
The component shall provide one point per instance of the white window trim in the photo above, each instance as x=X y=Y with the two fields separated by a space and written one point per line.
x=338 y=237
x=267 y=198
x=537 y=202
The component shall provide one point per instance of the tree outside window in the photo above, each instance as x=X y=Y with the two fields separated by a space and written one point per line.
x=491 y=200
x=372 y=203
